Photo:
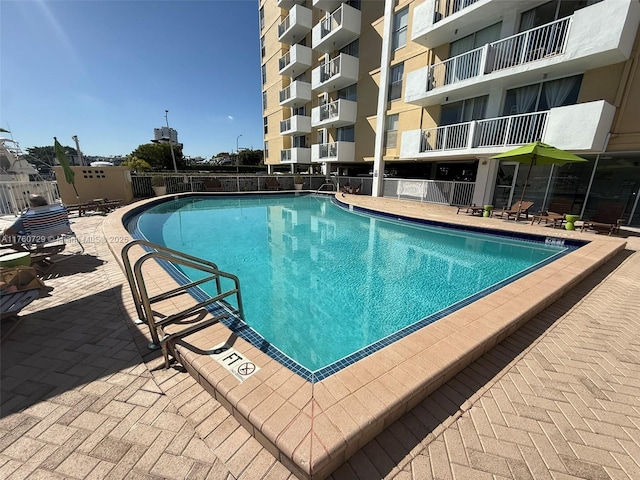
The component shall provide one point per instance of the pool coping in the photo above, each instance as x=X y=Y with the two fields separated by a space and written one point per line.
x=313 y=428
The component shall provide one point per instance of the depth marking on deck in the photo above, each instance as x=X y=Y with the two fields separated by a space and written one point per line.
x=235 y=363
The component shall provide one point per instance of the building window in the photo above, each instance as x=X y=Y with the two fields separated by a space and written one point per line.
x=395 y=82
x=475 y=40
x=464 y=110
x=345 y=134
x=264 y=74
x=542 y=96
x=261 y=18
x=266 y=149
x=348 y=93
x=352 y=48
x=391 y=134
x=300 y=142
x=265 y=122
x=262 y=49
x=264 y=100
x=400 y=22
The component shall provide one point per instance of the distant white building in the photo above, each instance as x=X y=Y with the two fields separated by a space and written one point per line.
x=165 y=134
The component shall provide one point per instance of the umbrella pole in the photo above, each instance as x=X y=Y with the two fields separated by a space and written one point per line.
x=524 y=187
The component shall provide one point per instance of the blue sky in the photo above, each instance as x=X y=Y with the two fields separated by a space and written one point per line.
x=106 y=71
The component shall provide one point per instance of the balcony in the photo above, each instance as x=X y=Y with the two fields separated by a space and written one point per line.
x=296 y=155
x=339 y=72
x=296 y=125
x=295 y=61
x=327 y=5
x=438 y=22
x=582 y=127
x=335 y=114
x=333 y=152
x=287 y=4
x=296 y=94
x=561 y=48
x=296 y=26
x=337 y=30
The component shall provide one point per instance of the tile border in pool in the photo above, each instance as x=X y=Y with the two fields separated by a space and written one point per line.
x=246 y=332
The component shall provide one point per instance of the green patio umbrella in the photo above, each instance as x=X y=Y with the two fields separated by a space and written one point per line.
x=538 y=153
x=61 y=156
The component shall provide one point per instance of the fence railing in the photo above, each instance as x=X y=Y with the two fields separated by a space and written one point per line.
x=492 y=132
x=14 y=195
x=142 y=188
x=284 y=61
x=444 y=8
x=529 y=46
x=430 y=191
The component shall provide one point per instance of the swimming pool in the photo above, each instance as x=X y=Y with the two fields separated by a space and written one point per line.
x=325 y=286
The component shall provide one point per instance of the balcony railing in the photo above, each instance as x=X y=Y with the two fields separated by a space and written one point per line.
x=492 y=132
x=285 y=93
x=535 y=44
x=330 y=110
x=284 y=61
x=330 y=23
x=328 y=150
x=285 y=125
x=284 y=26
x=330 y=69
x=529 y=46
x=448 y=7
x=285 y=155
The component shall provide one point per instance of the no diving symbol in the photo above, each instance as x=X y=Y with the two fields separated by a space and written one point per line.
x=246 y=368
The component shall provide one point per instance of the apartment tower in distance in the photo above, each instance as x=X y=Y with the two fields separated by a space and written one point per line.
x=416 y=96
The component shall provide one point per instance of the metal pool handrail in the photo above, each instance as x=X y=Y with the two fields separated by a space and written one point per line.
x=143 y=302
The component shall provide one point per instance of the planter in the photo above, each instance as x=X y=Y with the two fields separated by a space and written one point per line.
x=297 y=186
x=160 y=190
x=570 y=225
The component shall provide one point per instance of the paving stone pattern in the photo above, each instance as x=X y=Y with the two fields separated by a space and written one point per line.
x=82 y=397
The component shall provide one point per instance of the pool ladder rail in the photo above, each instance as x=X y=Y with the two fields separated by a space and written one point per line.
x=196 y=317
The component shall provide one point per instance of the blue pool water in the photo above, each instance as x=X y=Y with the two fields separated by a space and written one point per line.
x=320 y=282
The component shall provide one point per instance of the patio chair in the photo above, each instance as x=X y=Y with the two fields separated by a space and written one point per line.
x=472 y=209
x=272 y=184
x=555 y=215
x=607 y=219
x=46 y=231
x=516 y=211
x=213 y=185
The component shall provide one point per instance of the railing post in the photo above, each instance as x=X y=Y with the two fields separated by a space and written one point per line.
x=484 y=58
x=507 y=132
x=472 y=133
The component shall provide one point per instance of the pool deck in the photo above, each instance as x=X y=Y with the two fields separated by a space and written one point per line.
x=538 y=380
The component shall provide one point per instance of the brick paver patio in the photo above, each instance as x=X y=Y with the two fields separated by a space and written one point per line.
x=82 y=397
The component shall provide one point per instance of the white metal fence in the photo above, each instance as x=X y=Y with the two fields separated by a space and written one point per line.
x=529 y=46
x=14 y=196
x=491 y=132
x=430 y=191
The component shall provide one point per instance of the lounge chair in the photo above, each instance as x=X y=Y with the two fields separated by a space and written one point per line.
x=555 y=215
x=472 y=209
x=46 y=231
x=213 y=185
x=608 y=219
x=351 y=189
x=516 y=211
x=272 y=184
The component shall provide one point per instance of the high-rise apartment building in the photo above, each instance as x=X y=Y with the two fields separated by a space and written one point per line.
x=421 y=94
x=165 y=134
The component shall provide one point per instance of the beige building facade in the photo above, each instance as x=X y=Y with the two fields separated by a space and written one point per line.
x=416 y=96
